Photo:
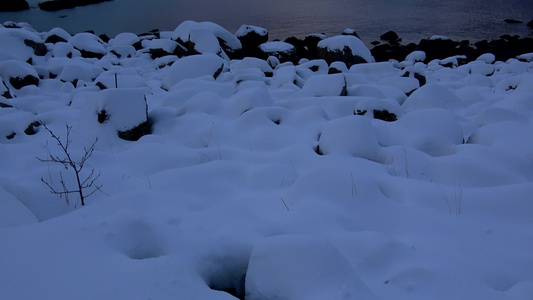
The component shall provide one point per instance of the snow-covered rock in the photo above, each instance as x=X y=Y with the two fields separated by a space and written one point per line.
x=352 y=135
x=20 y=44
x=18 y=73
x=347 y=48
x=194 y=66
x=229 y=42
x=125 y=110
x=326 y=85
x=281 y=50
x=90 y=45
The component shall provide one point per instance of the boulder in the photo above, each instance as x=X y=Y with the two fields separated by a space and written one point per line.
x=163 y=47
x=227 y=41
x=311 y=41
x=346 y=48
x=125 y=110
x=14 y=5
x=281 y=50
x=391 y=37
x=193 y=66
x=20 y=44
x=89 y=45
x=251 y=37
x=18 y=73
x=57 y=35
x=438 y=47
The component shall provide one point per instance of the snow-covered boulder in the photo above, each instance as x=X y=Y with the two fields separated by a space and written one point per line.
x=18 y=73
x=90 y=45
x=163 y=47
x=229 y=42
x=126 y=39
x=346 y=48
x=352 y=135
x=125 y=110
x=193 y=66
x=56 y=35
x=297 y=267
x=251 y=37
x=281 y=50
x=435 y=131
x=326 y=85
x=204 y=41
x=433 y=96
x=20 y=44
x=72 y=69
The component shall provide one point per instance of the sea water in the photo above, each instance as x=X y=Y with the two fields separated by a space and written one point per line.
x=411 y=19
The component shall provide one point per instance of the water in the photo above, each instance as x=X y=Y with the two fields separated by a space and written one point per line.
x=411 y=19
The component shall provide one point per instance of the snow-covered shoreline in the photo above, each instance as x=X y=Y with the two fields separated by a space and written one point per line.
x=263 y=177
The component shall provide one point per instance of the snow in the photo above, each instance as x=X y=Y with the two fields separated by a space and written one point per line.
x=259 y=179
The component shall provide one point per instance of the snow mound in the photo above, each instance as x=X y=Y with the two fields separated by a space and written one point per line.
x=301 y=267
x=193 y=66
x=353 y=135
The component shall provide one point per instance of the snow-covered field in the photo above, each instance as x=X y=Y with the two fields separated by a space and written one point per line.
x=263 y=181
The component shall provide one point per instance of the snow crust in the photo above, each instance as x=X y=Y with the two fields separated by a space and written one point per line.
x=259 y=179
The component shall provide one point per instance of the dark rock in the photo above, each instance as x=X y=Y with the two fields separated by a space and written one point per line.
x=345 y=56
x=374 y=43
x=390 y=36
x=55 y=5
x=11 y=135
x=14 y=5
x=102 y=116
x=4 y=105
x=54 y=39
x=39 y=49
x=90 y=54
x=333 y=70
x=421 y=78
x=438 y=48
x=137 y=132
x=104 y=38
x=385 y=115
x=18 y=82
x=299 y=46
x=512 y=21
x=530 y=24
x=311 y=42
x=30 y=130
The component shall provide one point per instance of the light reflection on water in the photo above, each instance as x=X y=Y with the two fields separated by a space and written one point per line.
x=411 y=19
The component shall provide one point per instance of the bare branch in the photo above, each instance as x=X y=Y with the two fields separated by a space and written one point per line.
x=83 y=183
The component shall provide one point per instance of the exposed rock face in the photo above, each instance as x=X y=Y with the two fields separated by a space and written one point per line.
x=55 y=5
x=14 y=5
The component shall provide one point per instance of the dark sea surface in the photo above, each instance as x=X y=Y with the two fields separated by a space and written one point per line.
x=411 y=19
